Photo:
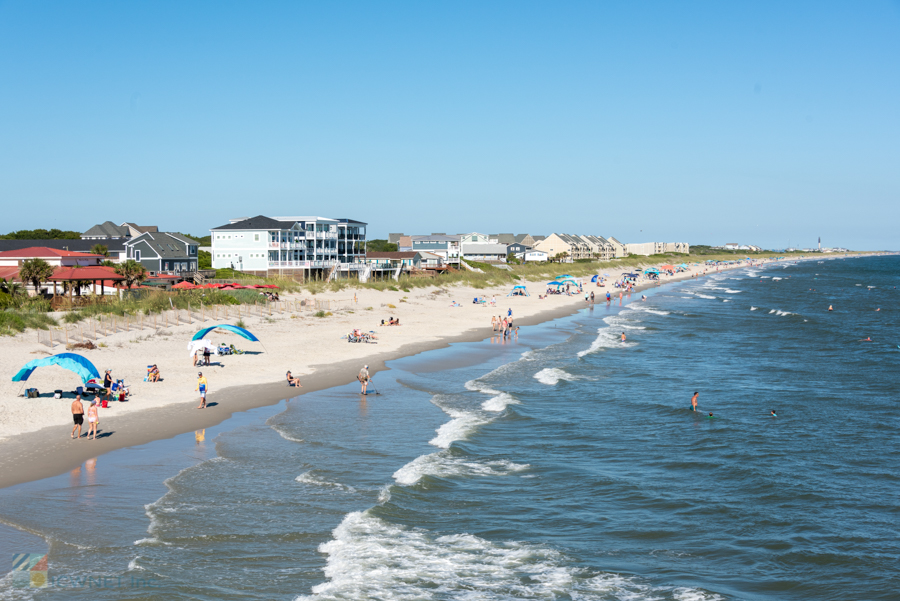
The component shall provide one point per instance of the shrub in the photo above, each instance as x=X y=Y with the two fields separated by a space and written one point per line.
x=390 y=306
x=240 y=323
x=320 y=314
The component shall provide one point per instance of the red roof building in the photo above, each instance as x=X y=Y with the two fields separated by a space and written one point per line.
x=53 y=256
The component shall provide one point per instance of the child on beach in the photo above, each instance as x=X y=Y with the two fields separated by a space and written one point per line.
x=202 y=387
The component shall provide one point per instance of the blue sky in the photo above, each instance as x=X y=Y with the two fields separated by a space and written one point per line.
x=708 y=122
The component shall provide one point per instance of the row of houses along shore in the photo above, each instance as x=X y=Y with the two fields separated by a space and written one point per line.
x=307 y=247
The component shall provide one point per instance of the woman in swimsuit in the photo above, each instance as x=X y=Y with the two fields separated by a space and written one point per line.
x=92 y=420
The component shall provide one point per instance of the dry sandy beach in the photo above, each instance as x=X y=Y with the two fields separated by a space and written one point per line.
x=36 y=441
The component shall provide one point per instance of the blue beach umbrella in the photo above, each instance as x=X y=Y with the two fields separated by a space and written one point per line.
x=555 y=283
x=74 y=363
x=224 y=326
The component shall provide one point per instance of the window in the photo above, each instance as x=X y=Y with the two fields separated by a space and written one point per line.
x=166 y=266
x=137 y=255
x=256 y=237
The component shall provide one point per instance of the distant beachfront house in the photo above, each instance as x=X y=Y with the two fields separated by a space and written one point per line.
x=731 y=245
x=164 y=252
x=600 y=247
x=110 y=231
x=61 y=260
x=397 y=262
x=618 y=248
x=491 y=253
x=290 y=245
x=574 y=247
x=516 y=248
x=525 y=239
x=657 y=248
x=506 y=239
x=532 y=256
x=443 y=245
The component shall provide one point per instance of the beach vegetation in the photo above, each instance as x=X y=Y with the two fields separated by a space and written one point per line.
x=391 y=306
x=369 y=308
x=240 y=323
x=204 y=259
x=381 y=246
x=132 y=271
x=37 y=271
x=100 y=249
x=41 y=234
x=13 y=321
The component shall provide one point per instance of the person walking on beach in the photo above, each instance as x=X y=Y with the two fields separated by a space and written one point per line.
x=509 y=312
x=93 y=420
x=77 y=415
x=364 y=378
x=203 y=388
x=694 y=401
x=592 y=297
x=493 y=323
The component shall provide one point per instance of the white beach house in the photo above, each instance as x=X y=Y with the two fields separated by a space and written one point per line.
x=290 y=245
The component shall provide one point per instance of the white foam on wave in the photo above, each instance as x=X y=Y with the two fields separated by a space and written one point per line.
x=708 y=296
x=777 y=278
x=726 y=300
x=370 y=558
x=133 y=564
x=551 y=376
x=442 y=465
x=606 y=338
x=458 y=428
x=500 y=402
x=476 y=386
x=313 y=480
x=285 y=435
x=753 y=308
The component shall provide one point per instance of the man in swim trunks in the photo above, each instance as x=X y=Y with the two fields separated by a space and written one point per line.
x=694 y=401
x=77 y=415
x=623 y=336
x=364 y=378
x=203 y=388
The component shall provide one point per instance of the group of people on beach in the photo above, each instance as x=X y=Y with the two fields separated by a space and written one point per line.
x=504 y=325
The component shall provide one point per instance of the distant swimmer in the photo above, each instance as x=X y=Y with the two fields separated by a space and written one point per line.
x=830 y=308
x=623 y=336
x=694 y=401
x=773 y=413
x=878 y=309
x=643 y=298
x=869 y=339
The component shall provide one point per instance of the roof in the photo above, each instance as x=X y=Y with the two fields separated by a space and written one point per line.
x=63 y=244
x=394 y=238
x=166 y=244
x=484 y=249
x=406 y=254
x=108 y=229
x=95 y=272
x=504 y=238
x=260 y=222
x=538 y=238
x=43 y=251
x=142 y=228
x=436 y=238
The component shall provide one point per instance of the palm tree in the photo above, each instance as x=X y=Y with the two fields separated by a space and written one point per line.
x=100 y=249
x=132 y=271
x=36 y=271
x=10 y=287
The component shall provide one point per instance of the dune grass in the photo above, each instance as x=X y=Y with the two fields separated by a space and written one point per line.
x=13 y=321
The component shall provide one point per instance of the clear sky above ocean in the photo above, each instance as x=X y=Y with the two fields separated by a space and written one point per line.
x=759 y=122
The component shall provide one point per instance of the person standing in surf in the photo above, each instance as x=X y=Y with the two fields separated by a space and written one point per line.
x=694 y=401
x=363 y=378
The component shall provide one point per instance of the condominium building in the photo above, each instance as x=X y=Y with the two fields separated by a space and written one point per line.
x=289 y=245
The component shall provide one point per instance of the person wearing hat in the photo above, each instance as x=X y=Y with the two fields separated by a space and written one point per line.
x=203 y=387
x=364 y=378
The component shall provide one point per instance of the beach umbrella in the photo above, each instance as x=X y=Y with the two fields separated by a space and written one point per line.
x=224 y=326
x=594 y=279
x=71 y=361
x=555 y=283
x=184 y=286
x=562 y=277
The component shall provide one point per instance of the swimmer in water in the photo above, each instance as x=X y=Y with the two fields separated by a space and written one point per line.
x=830 y=308
x=694 y=401
x=643 y=298
x=773 y=413
x=710 y=414
x=869 y=339
x=623 y=336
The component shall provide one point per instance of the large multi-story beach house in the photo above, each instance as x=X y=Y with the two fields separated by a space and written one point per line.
x=290 y=246
x=446 y=247
x=573 y=246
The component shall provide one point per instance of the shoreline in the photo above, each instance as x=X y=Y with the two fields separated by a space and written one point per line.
x=45 y=452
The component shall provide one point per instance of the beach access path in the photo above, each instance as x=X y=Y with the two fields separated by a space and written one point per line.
x=35 y=433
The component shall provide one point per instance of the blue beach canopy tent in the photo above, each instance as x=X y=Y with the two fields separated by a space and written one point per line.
x=224 y=326
x=594 y=279
x=564 y=277
x=652 y=270
x=555 y=283
x=518 y=291
x=74 y=363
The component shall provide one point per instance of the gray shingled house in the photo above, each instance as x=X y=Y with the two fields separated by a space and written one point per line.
x=163 y=252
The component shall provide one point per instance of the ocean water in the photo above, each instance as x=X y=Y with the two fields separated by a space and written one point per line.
x=564 y=465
